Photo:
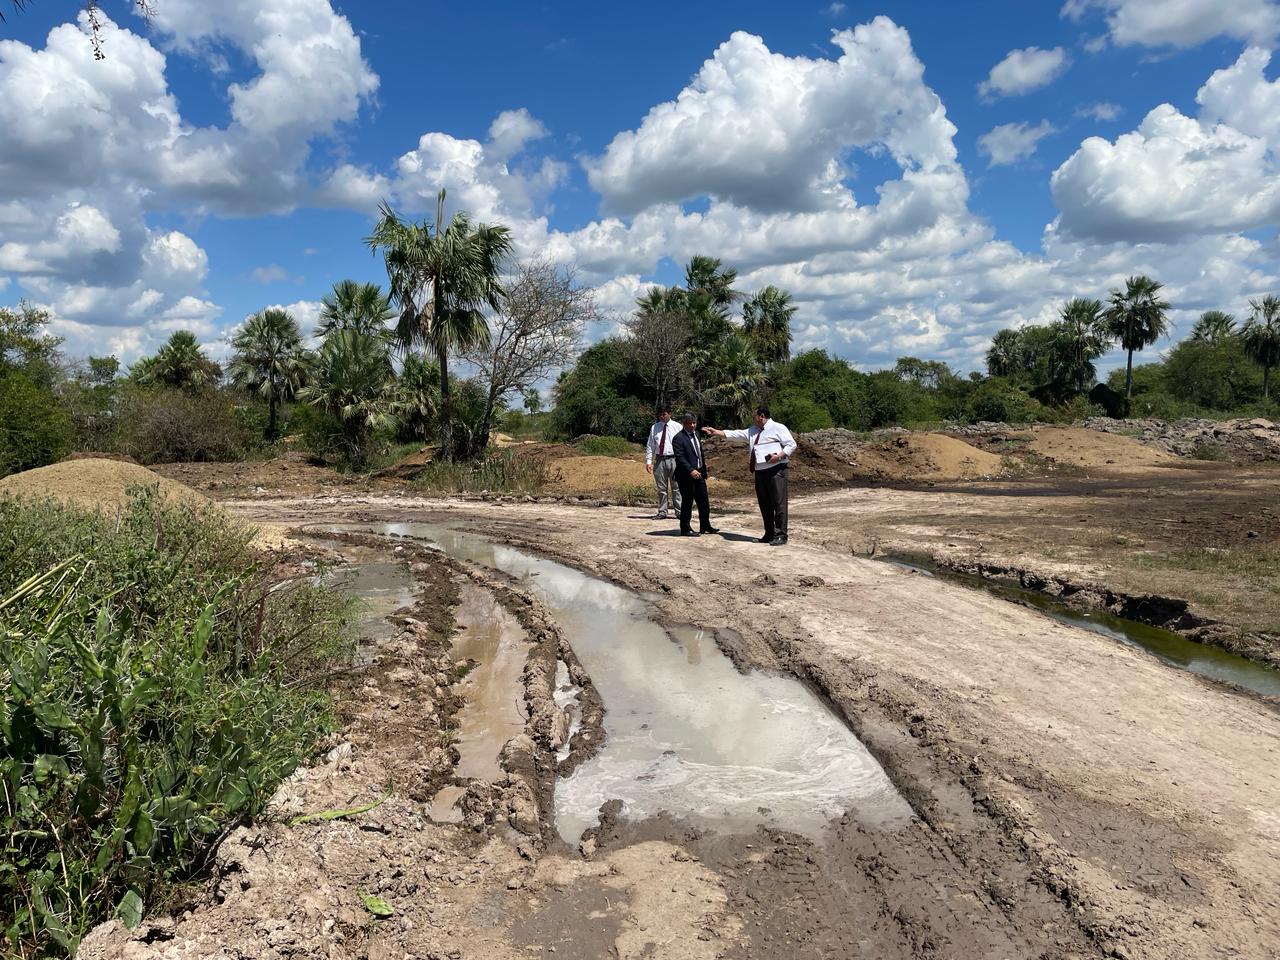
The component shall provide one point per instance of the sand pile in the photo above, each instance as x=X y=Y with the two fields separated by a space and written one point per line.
x=928 y=456
x=1081 y=447
x=95 y=483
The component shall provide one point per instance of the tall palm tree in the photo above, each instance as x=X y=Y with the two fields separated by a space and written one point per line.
x=1078 y=341
x=766 y=320
x=442 y=276
x=1135 y=317
x=1261 y=337
x=736 y=376
x=706 y=275
x=1214 y=326
x=352 y=378
x=269 y=360
x=355 y=306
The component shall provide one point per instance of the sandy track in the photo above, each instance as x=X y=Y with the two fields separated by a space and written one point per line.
x=1146 y=801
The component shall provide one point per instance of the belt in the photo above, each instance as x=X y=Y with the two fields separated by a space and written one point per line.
x=667 y=456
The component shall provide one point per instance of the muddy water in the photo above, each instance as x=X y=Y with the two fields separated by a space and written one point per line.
x=1172 y=648
x=686 y=732
x=382 y=585
x=493 y=639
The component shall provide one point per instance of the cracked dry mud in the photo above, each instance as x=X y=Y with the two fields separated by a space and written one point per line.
x=1072 y=797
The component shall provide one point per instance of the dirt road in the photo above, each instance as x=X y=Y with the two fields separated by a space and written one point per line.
x=1074 y=797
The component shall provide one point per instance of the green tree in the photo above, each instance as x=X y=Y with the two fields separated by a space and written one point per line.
x=603 y=394
x=533 y=401
x=1135 y=318
x=1078 y=341
x=269 y=361
x=1215 y=375
x=24 y=345
x=1261 y=337
x=417 y=397
x=1005 y=355
x=442 y=277
x=706 y=275
x=362 y=307
x=35 y=430
x=736 y=378
x=766 y=320
x=352 y=380
x=180 y=363
x=1214 y=326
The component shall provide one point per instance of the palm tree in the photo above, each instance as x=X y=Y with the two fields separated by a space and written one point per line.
x=441 y=279
x=1214 y=326
x=1135 y=318
x=1078 y=341
x=418 y=395
x=269 y=360
x=352 y=379
x=355 y=306
x=1005 y=356
x=179 y=363
x=766 y=320
x=1261 y=337
x=706 y=275
x=736 y=376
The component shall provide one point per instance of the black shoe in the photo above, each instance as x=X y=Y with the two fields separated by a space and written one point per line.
x=767 y=538
x=709 y=530
x=688 y=533
x=779 y=540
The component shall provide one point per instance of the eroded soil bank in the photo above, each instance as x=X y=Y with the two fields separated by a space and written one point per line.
x=1073 y=797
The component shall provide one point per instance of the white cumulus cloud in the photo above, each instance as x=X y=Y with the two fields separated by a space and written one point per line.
x=1181 y=23
x=1011 y=142
x=1022 y=71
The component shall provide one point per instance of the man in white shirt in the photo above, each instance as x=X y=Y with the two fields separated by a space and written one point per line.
x=660 y=461
x=769 y=446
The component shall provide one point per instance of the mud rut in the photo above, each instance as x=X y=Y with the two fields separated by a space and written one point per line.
x=971 y=875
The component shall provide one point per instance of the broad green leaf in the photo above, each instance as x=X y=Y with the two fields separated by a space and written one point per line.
x=377 y=906
x=129 y=910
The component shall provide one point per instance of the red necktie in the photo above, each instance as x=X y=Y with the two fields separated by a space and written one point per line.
x=662 y=444
x=751 y=454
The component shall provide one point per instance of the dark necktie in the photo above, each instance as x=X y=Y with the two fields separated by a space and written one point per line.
x=751 y=454
x=662 y=444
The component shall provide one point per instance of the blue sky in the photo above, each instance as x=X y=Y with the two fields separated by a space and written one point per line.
x=918 y=174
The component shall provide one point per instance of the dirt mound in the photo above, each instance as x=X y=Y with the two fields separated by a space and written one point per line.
x=927 y=456
x=122 y=457
x=813 y=466
x=595 y=474
x=292 y=473
x=1251 y=441
x=95 y=483
x=1081 y=447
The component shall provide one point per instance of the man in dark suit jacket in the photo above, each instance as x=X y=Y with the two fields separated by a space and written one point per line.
x=691 y=477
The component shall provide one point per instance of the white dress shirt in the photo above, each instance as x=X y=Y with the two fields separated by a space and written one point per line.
x=773 y=437
x=655 y=440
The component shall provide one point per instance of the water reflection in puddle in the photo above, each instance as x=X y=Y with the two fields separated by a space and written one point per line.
x=686 y=732
x=381 y=585
x=493 y=713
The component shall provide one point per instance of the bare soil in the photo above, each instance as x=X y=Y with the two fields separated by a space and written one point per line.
x=94 y=482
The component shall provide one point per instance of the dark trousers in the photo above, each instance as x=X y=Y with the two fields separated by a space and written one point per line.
x=693 y=491
x=771 y=494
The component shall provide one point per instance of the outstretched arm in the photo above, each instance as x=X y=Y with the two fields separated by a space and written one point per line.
x=713 y=431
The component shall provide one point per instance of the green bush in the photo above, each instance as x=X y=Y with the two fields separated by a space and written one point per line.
x=606 y=446
x=799 y=413
x=156 y=689
x=34 y=428
x=997 y=400
x=502 y=472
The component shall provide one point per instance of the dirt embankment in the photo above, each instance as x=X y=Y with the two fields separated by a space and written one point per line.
x=94 y=483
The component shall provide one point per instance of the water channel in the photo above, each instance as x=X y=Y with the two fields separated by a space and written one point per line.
x=1169 y=647
x=686 y=732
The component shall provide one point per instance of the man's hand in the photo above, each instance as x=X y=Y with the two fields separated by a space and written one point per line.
x=695 y=474
x=648 y=468
x=712 y=431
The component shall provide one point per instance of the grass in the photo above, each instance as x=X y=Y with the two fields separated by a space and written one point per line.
x=158 y=685
x=1209 y=451
x=500 y=472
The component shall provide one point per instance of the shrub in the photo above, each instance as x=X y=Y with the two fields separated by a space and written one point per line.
x=156 y=689
x=34 y=428
x=502 y=472
x=605 y=446
x=800 y=413
x=997 y=400
x=168 y=425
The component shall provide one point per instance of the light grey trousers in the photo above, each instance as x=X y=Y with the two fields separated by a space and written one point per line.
x=664 y=473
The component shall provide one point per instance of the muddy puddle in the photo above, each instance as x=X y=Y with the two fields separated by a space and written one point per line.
x=380 y=583
x=686 y=733
x=1171 y=648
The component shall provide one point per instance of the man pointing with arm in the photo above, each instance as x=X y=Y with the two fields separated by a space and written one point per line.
x=769 y=446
